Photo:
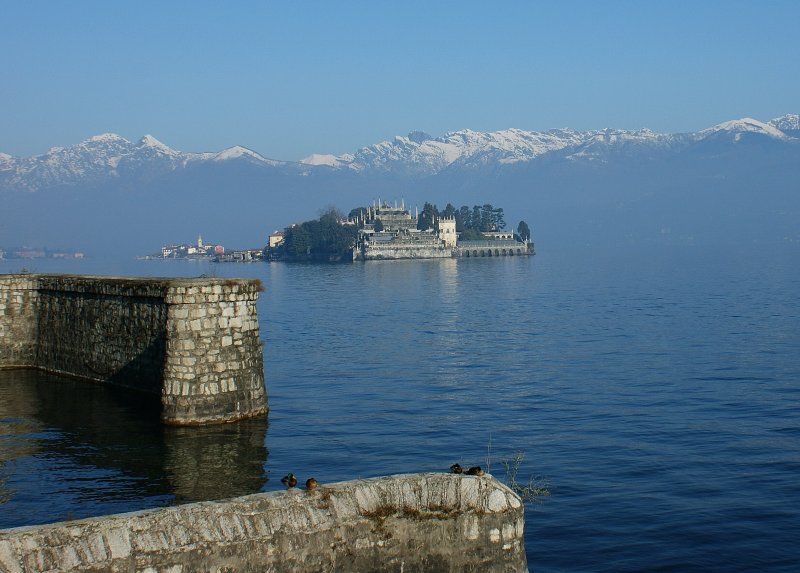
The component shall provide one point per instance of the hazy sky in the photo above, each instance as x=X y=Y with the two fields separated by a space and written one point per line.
x=288 y=79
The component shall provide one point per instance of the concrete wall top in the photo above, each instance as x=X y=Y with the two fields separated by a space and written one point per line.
x=131 y=286
x=18 y=282
x=440 y=522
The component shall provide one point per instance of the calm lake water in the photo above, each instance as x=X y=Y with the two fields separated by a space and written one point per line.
x=657 y=392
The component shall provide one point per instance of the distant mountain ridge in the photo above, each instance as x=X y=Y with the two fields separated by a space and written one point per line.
x=736 y=182
x=103 y=157
x=421 y=154
x=106 y=156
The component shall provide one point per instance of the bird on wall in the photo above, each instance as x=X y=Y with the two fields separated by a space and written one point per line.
x=311 y=484
x=289 y=480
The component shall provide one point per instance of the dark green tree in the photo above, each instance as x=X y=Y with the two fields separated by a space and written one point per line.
x=331 y=236
x=331 y=213
x=487 y=218
x=476 y=219
x=449 y=211
x=471 y=235
x=463 y=219
x=323 y=237
x=524 y=231
x=297 y=241
x=357 y=213
x=499 y=221
x=427 y=219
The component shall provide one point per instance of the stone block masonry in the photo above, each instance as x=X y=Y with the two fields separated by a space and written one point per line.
x=194 y=342
x=19 y=302
x=413 y=522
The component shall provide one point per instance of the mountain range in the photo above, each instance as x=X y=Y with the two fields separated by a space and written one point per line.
x=737 y=181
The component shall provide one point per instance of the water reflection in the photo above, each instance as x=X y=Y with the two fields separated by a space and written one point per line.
x=214 y=462
x=99 y=449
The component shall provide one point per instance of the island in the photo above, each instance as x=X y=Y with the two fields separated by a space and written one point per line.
x=380 y=231
x=384 y=231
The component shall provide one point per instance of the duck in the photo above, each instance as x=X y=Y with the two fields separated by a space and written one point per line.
x=311 y=484
x=475 y=471
x=456 y=469
x=289 y=480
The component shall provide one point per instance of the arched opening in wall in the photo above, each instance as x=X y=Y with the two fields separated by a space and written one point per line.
x=504 y=253
x=483 y=253
x=510 y=252
x=490 y=252
x=466 y=253
x=519 y=251
x=475 y=253
x=497 y=252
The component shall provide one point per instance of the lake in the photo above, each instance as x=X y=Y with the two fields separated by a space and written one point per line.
x=656 y=391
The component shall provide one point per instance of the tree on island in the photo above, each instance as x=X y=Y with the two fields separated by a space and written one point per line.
x=491 y=218
x=427 y=219
x=524 y=231
x=297 y=241
x=323 y=238
x=478 y=219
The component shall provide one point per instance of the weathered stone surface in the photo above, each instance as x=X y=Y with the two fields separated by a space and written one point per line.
x=19 y=299
x=155 y=335
x=414 y=522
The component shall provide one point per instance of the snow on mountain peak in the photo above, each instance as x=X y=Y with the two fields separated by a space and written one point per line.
x=148 y=141
x=322 y=159
x=107 y=138
x=108 y=155
x=788 y=122
x=422 y=154
x=236 y=152
x=746 y=124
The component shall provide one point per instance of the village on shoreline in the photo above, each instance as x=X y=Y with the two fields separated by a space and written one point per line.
x=380 y=231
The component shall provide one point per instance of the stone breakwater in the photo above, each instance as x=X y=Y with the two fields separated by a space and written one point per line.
x=413 y=522
x=194 y=342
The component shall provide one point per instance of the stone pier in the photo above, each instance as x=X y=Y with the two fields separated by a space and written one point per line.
x=194 y=342
x=413 y=522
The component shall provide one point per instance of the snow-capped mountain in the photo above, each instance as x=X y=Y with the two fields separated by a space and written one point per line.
x=789 y=124
x=104 y=157
x=737 y=129
x=731 y=183
x=420 y=154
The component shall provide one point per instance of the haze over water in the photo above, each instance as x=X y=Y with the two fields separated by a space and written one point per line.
x=656 y=392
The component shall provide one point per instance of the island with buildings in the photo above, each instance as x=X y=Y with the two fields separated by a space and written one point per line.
x=198 y=250
x=380 y=231
x=384 y=231
x=201 y=250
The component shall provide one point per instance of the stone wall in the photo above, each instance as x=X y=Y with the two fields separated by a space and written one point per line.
x=18 y=305
x=497 y=248
x=399 y=250
x=415 y=522
x=214 y=368
x=194 y=342
x=390 y=251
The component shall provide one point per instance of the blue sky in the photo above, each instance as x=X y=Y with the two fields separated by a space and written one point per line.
x=288 y=79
